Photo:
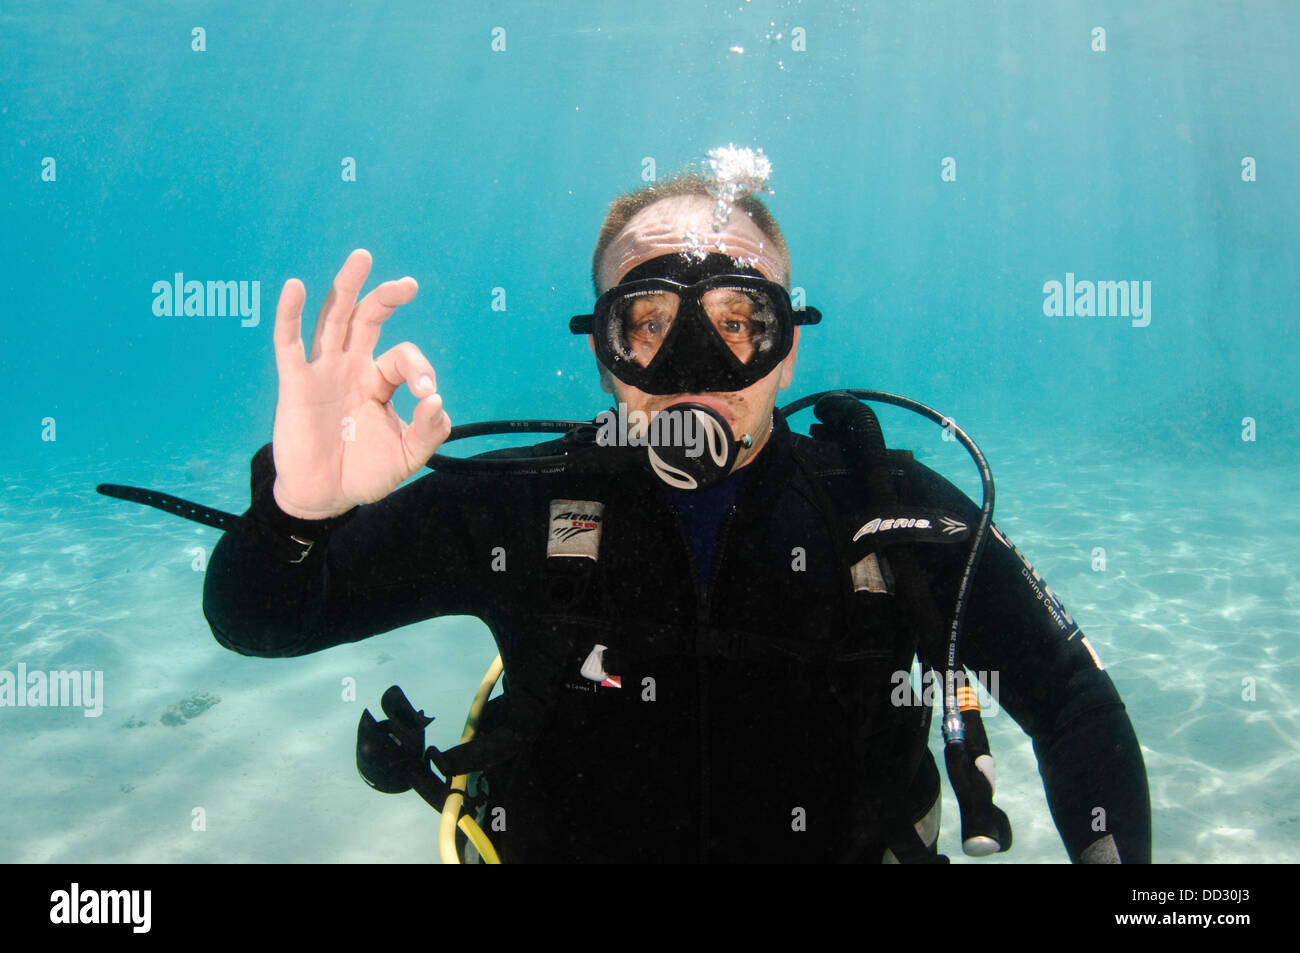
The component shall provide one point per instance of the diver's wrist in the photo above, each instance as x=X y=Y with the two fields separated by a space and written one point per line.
x=295 y=536
x=297 y=513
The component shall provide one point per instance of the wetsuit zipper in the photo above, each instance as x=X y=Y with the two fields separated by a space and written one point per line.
x=703 y=591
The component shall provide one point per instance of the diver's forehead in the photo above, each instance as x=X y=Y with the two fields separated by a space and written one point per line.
x=684 y=223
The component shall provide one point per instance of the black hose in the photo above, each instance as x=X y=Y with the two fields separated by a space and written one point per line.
x=953 y=728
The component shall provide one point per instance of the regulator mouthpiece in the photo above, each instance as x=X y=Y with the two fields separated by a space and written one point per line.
x=691 y=446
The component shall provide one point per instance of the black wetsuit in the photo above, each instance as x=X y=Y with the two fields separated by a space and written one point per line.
x=744 y=721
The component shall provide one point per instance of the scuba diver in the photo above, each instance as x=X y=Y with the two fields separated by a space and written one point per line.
x=707 y=622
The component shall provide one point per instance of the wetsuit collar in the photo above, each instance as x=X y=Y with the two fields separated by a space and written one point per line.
x=770 y=470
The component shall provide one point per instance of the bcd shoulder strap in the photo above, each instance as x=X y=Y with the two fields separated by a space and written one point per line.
x=854 y=431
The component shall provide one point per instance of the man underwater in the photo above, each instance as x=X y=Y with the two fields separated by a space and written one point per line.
x=700 y=654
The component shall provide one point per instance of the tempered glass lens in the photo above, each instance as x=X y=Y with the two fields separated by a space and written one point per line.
x=639 y=322
x=745 y=319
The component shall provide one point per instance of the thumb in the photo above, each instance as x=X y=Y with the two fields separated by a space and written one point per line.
x=428 y=428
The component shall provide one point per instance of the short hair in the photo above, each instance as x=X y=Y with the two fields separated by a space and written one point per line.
x=625 y=207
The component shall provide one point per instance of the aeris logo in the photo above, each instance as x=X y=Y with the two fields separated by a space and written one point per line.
x=881 y=525
x=916 y=526
x=574 y=528
x=566 y=525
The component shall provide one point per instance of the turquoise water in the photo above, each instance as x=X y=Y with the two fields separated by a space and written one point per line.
x=479 y=170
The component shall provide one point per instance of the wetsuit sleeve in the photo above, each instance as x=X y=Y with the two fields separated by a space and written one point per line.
x=411 y=556
x=1022 y=643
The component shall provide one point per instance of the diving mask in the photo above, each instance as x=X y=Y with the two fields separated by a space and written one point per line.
x=678 y=324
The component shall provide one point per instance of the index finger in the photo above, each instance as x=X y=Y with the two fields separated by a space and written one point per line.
x=340 y=305
x=374 y=309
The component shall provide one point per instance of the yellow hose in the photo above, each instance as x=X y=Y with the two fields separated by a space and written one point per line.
x=451 y=818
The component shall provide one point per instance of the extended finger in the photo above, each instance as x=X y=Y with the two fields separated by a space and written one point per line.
x=289 y=355
x=404 y=363
x=428 y=428
x=374 y=310
x=332 y=323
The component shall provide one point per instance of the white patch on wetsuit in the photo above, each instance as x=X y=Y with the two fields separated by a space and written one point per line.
x=869 y=575
x=593 y=669
x=574 y=529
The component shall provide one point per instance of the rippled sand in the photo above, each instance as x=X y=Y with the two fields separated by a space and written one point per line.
x=1198 y=601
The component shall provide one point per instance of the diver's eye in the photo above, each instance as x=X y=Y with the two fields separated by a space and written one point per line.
x=743 y=317
x=649 y=325
x=641 y=322
x=655 y=304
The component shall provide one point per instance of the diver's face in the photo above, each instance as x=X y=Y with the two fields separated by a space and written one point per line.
x=659 y=230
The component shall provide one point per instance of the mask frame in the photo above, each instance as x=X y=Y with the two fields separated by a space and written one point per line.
x=693 y=357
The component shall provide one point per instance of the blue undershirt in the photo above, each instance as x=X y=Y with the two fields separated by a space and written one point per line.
x=702 y=513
